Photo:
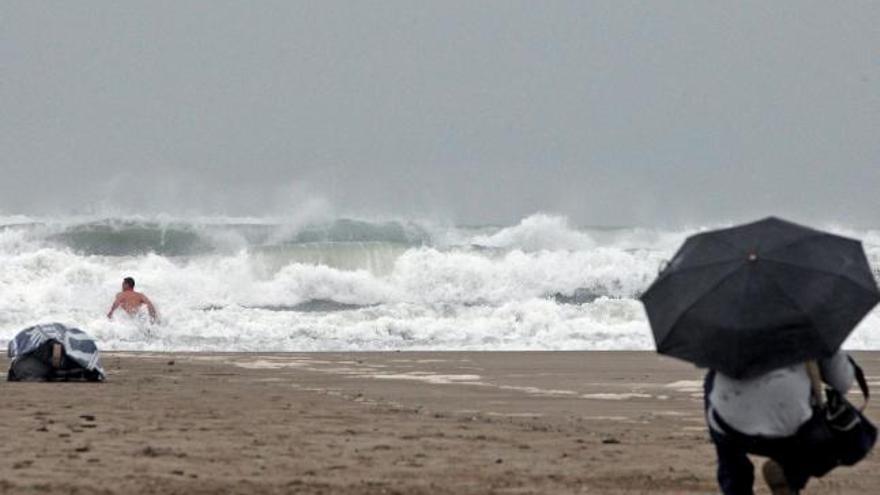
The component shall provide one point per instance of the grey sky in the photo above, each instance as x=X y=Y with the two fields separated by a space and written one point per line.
x=478 y=111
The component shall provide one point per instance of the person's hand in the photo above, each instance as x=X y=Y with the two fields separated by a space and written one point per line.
x=110 y=315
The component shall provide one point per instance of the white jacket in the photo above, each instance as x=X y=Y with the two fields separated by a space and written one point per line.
x=776 y=403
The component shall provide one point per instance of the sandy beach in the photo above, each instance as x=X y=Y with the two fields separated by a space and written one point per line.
x=395 y=422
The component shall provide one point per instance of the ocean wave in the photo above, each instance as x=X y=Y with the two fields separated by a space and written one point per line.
x=126 y=237
x=345 y=285
x=538 y=232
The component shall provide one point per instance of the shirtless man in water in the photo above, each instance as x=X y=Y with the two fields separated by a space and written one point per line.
x=132 y=301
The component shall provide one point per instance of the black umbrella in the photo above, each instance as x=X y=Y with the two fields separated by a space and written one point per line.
x=759 y=296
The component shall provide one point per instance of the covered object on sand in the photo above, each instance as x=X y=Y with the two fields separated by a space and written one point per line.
x=31 y=354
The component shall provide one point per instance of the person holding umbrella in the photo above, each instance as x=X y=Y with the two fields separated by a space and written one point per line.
x=762 y=416
x=765 y=306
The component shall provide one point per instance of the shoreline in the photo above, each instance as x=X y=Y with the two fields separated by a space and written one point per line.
x=616 y=422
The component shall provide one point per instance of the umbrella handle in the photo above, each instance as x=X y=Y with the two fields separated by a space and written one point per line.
x=816 y=382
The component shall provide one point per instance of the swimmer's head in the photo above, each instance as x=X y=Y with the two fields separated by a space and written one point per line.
x=128 y=283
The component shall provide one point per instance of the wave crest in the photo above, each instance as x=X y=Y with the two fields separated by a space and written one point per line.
x=538 y=232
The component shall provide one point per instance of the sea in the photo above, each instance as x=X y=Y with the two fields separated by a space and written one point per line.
x=346 y=284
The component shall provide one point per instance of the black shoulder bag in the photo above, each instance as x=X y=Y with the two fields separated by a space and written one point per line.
x=838 y=434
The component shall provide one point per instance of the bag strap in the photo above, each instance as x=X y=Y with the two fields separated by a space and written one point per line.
x=860 y=379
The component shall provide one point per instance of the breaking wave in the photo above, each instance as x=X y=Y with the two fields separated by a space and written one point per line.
x=263 y=285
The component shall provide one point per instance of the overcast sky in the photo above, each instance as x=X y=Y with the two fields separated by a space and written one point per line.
x=478 y=111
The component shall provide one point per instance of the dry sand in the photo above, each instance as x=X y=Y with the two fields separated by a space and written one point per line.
x=424 y=423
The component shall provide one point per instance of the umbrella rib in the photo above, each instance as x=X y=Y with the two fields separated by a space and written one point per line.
x=796 y=304
x=712 y=236
x=819 y=270
x=722 y=240
x=802 y=239
x=694 y=267
x=705 y=293
x=706 y=235
x=809 y=316
x=704 y=265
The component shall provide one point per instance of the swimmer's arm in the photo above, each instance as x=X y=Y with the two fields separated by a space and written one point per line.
x=154 y=316
x=113 y=308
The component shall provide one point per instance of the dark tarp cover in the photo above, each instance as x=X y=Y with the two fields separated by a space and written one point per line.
x=79 y=347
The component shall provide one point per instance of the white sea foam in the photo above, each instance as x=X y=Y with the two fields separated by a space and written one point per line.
x=538 y=232
x=245 y=285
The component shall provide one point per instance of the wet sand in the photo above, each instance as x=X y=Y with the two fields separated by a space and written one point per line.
x=383 y=423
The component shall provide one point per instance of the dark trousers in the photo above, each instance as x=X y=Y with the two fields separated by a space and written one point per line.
x=736 y=475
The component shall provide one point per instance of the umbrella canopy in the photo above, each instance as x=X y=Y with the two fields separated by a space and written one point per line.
x=760 y=296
